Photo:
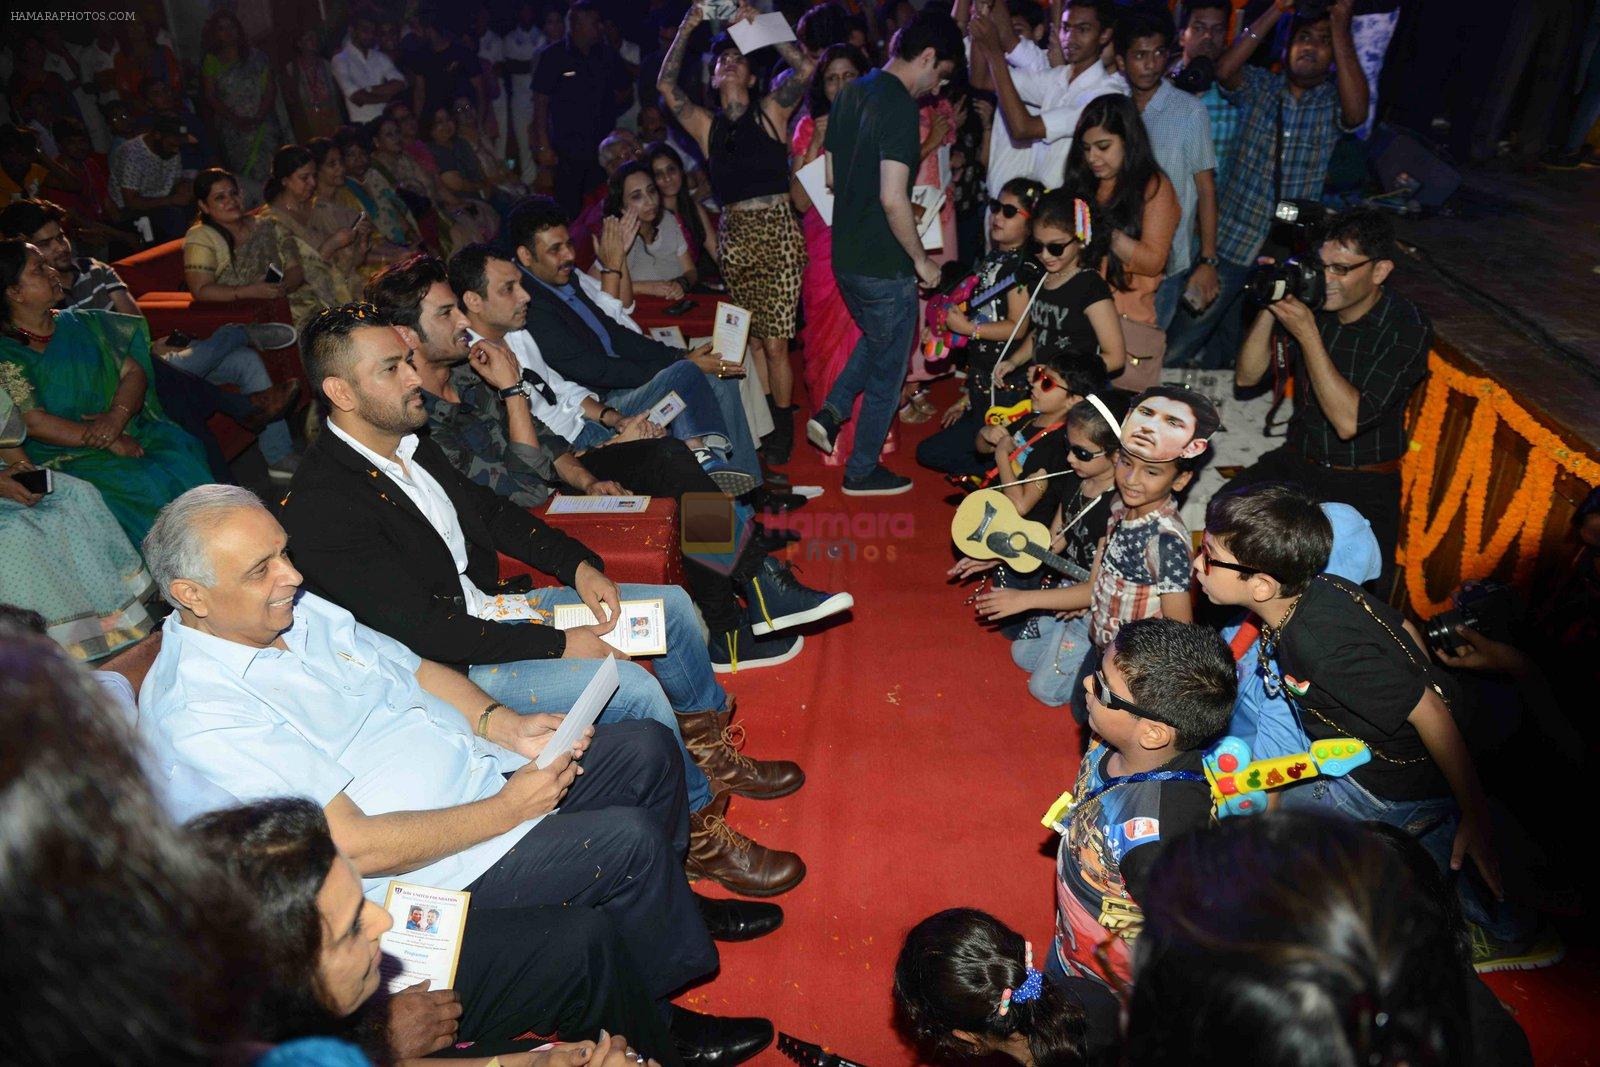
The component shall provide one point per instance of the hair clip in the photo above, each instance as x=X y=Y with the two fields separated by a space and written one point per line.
x=1081 y=224
x=1005 y=1001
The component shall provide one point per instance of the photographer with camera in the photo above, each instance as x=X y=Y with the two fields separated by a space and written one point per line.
x=1288 y=125
x=1357 y=354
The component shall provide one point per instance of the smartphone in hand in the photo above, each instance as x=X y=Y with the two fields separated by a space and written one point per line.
x=40 y=481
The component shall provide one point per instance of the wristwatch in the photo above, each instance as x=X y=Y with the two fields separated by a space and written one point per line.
x=1209 y=261
x=519 y=389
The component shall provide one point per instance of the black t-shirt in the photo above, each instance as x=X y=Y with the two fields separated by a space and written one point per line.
x=1085 y=535
x=1362 y=676
x=447 y=74
x=1060 y=324
x=1046 y=455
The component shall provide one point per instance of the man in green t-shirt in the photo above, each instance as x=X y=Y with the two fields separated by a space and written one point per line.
x=873 y=150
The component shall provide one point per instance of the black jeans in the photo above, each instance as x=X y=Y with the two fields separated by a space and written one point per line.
x=666 y=467
x=617 y=845
x=189 y=401
x=1376 y=495
x=559 y=973
x=951 y=449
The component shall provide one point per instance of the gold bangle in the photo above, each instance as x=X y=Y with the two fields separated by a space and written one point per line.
x=483 y=720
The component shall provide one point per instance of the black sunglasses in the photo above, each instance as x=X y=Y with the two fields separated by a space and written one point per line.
x=1055 y=248
x=1103 y=693
x=1084 y=455
x=1010 y=211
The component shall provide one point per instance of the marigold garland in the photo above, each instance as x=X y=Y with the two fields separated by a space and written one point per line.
x=1524 y=518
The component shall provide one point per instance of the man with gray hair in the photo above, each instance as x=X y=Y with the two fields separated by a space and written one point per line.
x=265 y=691
x=619 y=147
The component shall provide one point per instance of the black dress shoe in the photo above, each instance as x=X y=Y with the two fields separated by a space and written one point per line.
x=716 y=1040
x=738 y=920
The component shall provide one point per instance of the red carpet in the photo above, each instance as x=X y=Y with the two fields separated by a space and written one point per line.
x=928 y=767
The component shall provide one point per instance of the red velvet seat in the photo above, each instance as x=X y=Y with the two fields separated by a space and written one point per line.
x=636 y=548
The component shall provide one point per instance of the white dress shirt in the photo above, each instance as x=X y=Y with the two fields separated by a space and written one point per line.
x=424 y=490
x=339 y=711
x=565 y=416
x=1058 y=99
x=355 y=70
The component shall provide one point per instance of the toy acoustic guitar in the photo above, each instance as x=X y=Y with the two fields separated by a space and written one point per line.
x=987 y=526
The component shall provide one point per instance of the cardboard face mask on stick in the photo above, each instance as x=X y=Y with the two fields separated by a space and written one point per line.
x=1166 y=422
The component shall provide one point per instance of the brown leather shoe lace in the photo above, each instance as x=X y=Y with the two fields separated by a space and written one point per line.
x=717 y=829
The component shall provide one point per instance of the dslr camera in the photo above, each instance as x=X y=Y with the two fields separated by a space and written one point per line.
x=1299 y=226
x=1490 y=608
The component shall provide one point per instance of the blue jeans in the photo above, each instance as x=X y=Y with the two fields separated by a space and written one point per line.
x=1210 y=339
x=226 y=358
x=683 y=677
x=885 y=310
x=1432 y=823
x=1167 y=297
x=1053 y=658
x=713 y=410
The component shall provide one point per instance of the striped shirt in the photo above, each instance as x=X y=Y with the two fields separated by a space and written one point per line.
x=1312 y=124
x=1143 y=559
x=92 y=286
x=1384 y=354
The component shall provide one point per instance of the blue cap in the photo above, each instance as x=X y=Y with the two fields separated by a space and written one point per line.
x=1356 y=556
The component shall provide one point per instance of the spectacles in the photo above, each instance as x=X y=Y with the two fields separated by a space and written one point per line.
x=1009 y=211
x=1083 y=455
x=1103 y=693
x=1207 y=562
x=1339 y=270
x=1055 y=248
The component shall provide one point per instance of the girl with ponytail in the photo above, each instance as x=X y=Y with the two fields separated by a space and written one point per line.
x=965 y=987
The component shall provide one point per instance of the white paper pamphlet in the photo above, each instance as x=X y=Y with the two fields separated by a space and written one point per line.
x=813 y=178
x=668 y=335
x=763 y=30
x=641 y=632
x=567 y=504
x=666 y=409
x=426 y=938
x=585 y=710
x=731 y=333
x=929 y=199
x=942 y=154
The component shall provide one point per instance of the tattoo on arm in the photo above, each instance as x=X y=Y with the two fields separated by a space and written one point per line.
x=667 y=80
x=793 y=88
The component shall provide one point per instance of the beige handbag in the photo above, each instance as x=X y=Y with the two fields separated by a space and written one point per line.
x=1145 y=345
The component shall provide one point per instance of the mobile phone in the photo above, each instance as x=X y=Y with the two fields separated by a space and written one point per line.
x=682 y=307
x=274 y=275
x=40 y=481
x=178 y=339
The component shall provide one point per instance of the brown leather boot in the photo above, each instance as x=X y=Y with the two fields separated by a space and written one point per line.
x=719 y=852
x=715 y=751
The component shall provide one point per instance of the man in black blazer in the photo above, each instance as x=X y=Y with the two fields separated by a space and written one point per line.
x=584 y=344
x=385 y=526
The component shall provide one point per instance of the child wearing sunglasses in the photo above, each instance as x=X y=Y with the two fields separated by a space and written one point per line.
x=1073 y=311
x=1080 y=506
x=988 y=325
x=1161 y=696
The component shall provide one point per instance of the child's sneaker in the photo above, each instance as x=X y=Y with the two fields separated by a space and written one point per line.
x=1543 y=948
x=735 y=650
x=777 y=600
